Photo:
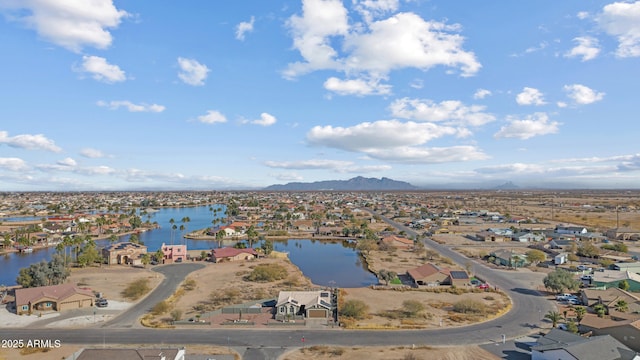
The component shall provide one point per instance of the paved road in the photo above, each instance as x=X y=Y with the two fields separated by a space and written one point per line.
x=528 y=309
x=174 y=274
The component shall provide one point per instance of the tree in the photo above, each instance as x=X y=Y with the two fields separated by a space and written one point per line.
x=535 y=256
x=622 y=306
x=580 y=312
x=355 y=309
x=572 y=327
x=588 y=250
x=252 y=234
x=560 y=280
x=366 y=245
x=600 y=309
x=624 y=285
x=554 y=317
x=44 y=273
x=145 y=259
x=267 y=247
x=89 y=254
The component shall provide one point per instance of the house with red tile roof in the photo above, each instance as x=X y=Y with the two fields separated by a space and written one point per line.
x=232 y=254
x=52 y=298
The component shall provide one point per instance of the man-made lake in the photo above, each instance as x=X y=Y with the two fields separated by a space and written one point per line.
x=325 y=263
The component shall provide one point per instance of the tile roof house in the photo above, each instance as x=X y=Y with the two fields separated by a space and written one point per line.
x=52 y=298
x=559 y=344
x=232 y=254
x=124 y=253
x=431 y=275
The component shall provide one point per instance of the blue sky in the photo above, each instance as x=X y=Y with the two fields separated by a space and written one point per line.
x=127 y=95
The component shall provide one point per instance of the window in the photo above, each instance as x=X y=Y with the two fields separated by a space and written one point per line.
x=292 y=309
x=47 y=304
x=25 y=307
x=282 y=309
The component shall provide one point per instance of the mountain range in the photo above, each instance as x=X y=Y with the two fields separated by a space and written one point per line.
x=358 y=183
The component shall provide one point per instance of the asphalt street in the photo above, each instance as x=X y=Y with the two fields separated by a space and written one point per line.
x=524 y=318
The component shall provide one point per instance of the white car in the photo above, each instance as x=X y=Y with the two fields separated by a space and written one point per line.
x=574 y=301
x=563 y=297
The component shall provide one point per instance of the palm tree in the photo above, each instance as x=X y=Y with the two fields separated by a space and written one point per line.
x=171 y=221
x=554 y=316
x=580 y=311
x=622 y=306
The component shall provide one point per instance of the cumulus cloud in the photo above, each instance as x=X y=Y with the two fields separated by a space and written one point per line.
x=265 y=120
x=92 y=153
x=12 y=164
x=358 y=87
x=192 y=72
x=533 y=125
x=101 y=70
x=114 y=105
x=243 y=28
x=622 y=20
x=383 y=134
x=212 y=117
x=481 y=94
x=67 y=162
x=583 y=95
x=375 y=48
x=587 y=48
x=451 y=112
x=72 y=24
x=530 y=96
x=370 y=9
x=29 y=142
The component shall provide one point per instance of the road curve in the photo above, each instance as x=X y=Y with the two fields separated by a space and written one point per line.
x=528 y=309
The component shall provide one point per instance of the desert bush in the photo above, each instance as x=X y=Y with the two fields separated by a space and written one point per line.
x=356 y=309
x=176 y=314
x=267 y=273
x=136 y=289
x=189 y=284
x=469 y=306
x=160 y=308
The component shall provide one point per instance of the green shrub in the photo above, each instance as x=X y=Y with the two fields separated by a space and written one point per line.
x=469 y=306
x=267 y=273
x=136 y=289
x=356 y=309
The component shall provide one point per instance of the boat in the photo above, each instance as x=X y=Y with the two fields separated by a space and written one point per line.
x=26 y=249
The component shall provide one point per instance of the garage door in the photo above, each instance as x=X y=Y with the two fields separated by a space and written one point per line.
x=317 y=313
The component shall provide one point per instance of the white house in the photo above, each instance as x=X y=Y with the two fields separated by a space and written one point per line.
x=561 y=258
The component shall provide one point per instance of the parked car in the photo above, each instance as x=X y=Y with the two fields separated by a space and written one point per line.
x=102 y=302
x=562 y=327
x=179 y=260
x=574 y=301
x=586 y=277
x=483 y=286
x=583 y=267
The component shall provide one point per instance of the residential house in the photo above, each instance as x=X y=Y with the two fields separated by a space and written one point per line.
x=232 y=254
x=431 y=275
x=487 y=235
x=173 y=253
x=612 y=278
x=398 y=242
x=526 y=236
x=509 y=258
x=293 y=305
x=130 y=354
x=573 y=230
x=562 y=244
x=627 y=266
x=52 y=298
x=125 y=253
x=559 y=345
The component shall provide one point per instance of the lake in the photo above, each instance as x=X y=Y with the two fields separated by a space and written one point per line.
x=325 y=263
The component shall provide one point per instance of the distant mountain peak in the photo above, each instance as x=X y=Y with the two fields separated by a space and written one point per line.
x=358 y=183
x=509 y=185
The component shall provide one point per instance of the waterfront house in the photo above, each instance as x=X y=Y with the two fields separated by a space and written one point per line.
x=431 y=275
x=173 y=253
x=52 y=298
x=232 y=254
x=125 y=253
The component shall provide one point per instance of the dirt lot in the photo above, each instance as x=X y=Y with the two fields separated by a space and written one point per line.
x=386 y=353
x=111 y=280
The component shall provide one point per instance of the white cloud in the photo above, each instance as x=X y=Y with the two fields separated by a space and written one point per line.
x=582 y=15
x=192 y=72
x=243 y=28
x=13 y=164
x=376 y=48
x=101 y=70
x=530 y=96
x=622 y=20
x=451 y=112
x=359 y=87
x=383 y=134
x=29 y=142
x=433 y=155
x=72 y=24
x=583 y=95
x=92 y=153
x=481 y=94
x=212 y=117
x=587 y=48
x=534 y=125
x=338 y=166
x=265 y=120
x=67 y=162
x=287 y=177
x=114 y=105
x=370 y=9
